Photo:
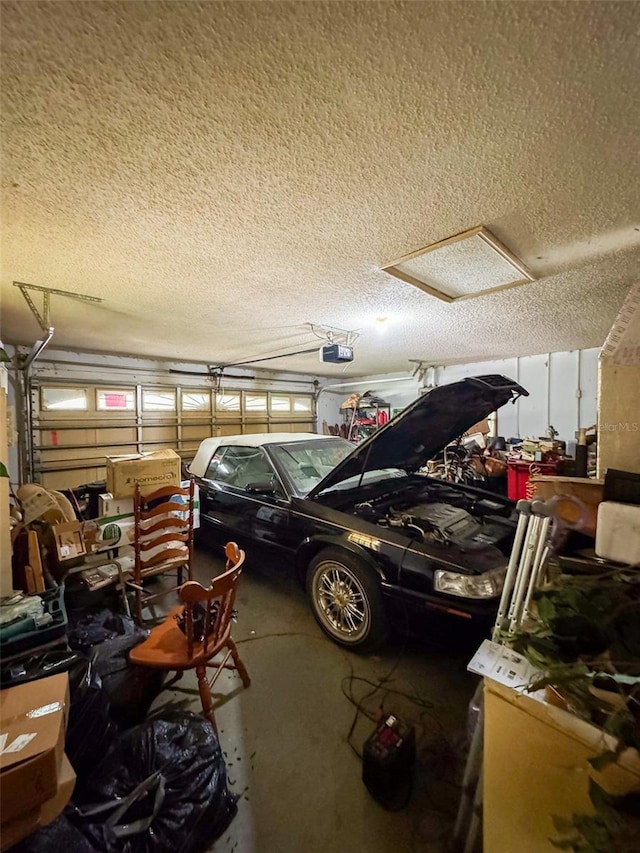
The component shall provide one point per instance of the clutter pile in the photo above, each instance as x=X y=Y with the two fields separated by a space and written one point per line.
x=510 y=465
x=81 y=764
x=364 y=414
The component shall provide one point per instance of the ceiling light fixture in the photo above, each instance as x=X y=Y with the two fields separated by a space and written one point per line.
x=466 y=265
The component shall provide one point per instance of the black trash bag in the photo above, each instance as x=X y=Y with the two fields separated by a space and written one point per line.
x=108 y=637
x=90 y=730
x=87 y=629
x=131 y=689
x=61 y=835
x=161 y=789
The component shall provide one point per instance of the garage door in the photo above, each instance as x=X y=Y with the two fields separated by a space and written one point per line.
x=75 y=425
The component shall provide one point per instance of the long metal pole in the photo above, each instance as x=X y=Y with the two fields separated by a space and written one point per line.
x=546 y=513
x=524 y=510
x=523 y=571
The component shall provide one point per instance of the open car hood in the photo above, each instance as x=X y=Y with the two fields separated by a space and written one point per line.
x=425 y=427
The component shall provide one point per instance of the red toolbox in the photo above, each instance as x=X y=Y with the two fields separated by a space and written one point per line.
x=518 y=476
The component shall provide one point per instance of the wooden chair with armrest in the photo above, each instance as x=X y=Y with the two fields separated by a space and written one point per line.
x=206 y=634
x=163 y=540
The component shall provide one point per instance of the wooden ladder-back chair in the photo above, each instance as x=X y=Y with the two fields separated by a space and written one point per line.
x=199 y=630
x=163 y=540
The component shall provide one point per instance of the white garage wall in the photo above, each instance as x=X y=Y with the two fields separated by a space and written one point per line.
x=562 y=386
x=328 y=407
x=398 y=390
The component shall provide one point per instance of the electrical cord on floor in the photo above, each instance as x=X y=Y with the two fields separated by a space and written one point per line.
x=352 y=677
x=385 y=680
x=346 y=685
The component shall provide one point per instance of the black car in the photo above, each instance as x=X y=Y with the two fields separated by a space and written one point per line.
x=372 y=538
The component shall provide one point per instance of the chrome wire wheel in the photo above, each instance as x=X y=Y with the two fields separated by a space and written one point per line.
x=341 y=602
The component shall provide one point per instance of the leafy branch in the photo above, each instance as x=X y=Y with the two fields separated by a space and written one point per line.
x=614 y=828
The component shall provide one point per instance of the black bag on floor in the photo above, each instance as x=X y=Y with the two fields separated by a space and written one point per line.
x=108 y=638
x=90 y=730
x=59 y=835
x=161 y=789
x=131 y=689
x=89 y=628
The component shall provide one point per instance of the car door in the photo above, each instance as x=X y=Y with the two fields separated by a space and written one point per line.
x=231 y=510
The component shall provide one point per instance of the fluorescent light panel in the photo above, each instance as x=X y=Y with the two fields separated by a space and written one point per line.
x=461 y=267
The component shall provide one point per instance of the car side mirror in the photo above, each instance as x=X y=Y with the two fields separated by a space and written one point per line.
x=262 y=487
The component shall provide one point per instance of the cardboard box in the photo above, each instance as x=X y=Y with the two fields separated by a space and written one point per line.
x=108 y=506
x=115 y=527
x=150 y=470
x=481 y=427
x=33 y=722
x=68 y=540
x=14 y=830
x=588 y=491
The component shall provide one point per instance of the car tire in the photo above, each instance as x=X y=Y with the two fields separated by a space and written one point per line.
x=346 y=600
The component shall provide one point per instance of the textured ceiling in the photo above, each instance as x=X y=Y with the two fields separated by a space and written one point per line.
x=223 y=173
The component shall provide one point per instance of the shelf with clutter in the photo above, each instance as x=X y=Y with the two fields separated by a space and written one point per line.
x=363 y=414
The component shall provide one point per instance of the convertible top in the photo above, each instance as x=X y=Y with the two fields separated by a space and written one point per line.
x=209 y=446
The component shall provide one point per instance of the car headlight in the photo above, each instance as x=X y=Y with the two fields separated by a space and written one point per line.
x=487 y=585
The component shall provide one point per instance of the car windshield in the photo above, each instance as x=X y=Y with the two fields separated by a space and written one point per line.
x=363 y=479
x=306 y=463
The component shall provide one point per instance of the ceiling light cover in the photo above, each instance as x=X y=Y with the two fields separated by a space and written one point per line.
x=466 y=265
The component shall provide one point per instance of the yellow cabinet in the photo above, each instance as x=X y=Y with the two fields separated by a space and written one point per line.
x=536 y=765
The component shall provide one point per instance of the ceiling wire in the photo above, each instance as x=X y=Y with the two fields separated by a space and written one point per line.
x=264 y=358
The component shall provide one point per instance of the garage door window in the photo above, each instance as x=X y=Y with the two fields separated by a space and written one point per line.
x=64 y=399
x=280 y=405
x=112 y=400
x=195 y=401
x=302 y=404
x=158 y=401
x=255 y=402
x=228 y=402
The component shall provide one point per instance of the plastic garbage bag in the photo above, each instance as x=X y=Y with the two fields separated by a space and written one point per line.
x=108 y=637
x=161 y=789
x=90 y=730
x=89 y=628
x=61 y=834
x=131 y=689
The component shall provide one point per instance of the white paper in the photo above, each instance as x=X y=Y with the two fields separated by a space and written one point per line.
x=503 y=665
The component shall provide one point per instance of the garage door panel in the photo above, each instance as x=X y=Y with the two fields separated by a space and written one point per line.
x=168 y=434
x=73 y=477
x=116 y=436
x=56 y=437
x=64 y=454
x=113 y=424
x=196 y=433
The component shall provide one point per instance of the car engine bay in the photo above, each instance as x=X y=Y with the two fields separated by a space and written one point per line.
x=442 y=515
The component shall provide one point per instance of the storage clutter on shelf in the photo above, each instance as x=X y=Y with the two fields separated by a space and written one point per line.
x=363 y=414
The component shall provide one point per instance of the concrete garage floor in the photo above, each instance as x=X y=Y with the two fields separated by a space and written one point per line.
x=285 y=737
